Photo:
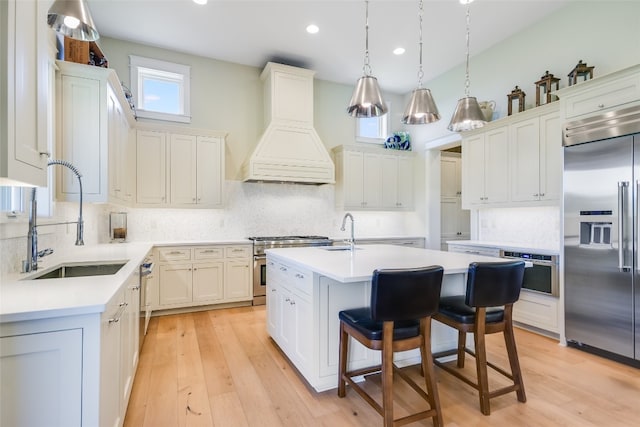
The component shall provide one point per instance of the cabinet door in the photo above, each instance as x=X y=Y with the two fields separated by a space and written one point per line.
x=372 y=181
x=550 y=157
x=208 y=281
x=83 y=139
x=389 y=181
x=405 y=183
x=273 y=305
x=210 y=171
x=129 y=339
x=182 y=169
x=41 y=379
x=450 y=177
x=287 y=325
x=473 y=164
x=353 y=179
x=111 y=361
x=175 y=284
x=237 y=281
x=449 y=218
x=151 y=167
x=114 y=123
x=525 y=160
x=25 y=75
x=303 y=321
x=496 y=166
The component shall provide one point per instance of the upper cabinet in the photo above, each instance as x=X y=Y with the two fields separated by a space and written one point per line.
x=27 y=52
x=94 y=122
x=516 y=161
x=372 y=178
x=179 y=167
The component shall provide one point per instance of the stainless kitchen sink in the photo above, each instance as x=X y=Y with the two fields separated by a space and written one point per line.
x=80 y=270
x=339 y=248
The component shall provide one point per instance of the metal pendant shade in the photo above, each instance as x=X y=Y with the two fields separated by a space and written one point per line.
x=467 y=115
x=72 y=19
x=421 y=108
x=366 y=100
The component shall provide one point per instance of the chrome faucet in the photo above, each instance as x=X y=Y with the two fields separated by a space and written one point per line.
x=31 y=263
x=352 y=241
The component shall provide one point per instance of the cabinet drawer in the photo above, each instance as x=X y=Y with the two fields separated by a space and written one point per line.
x=238 y=252
x=174 y=254
x=208 y=253
x=537 y=310
x=603 y=97
x=302 y=279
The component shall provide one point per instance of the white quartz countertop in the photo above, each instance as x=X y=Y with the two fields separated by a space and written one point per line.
x=515 y=247
x=357 y=266
x=45 y=298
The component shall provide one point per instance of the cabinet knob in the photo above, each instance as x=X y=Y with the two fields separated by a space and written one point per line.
x=536 y=195
x=600 y=105
x=287 y=300
x=541 y=194
x=292 y=302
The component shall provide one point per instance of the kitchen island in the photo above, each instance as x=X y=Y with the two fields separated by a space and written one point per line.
x=307 y=287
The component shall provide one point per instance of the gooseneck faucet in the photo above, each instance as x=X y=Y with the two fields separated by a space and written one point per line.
x=352 y=241
x=31 y=263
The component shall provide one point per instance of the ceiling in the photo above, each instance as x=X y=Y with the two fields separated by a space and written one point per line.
x=255 y=32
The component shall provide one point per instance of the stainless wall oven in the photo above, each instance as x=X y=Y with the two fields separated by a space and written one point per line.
x=260 y=244
x=543 y=277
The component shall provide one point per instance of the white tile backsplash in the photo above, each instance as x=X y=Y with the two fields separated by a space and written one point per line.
x=251 y=209
x=531 y=226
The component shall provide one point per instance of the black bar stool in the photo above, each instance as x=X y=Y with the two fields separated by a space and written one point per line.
x=399 y=319
x=489 y=287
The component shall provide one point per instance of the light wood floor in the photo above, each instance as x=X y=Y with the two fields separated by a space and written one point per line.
x=220 y=368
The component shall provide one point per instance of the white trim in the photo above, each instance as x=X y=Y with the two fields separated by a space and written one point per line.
x=166 y=71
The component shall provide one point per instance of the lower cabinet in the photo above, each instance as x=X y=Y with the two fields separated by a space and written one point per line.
x=201 y=275
x=71 y=371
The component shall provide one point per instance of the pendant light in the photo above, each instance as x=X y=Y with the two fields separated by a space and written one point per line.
x=367 y=100
x=72 y=19
x=467 y=114
x=421 y=108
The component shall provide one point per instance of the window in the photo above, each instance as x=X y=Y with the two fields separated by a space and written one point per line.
x=373 y=129
x=161 y=89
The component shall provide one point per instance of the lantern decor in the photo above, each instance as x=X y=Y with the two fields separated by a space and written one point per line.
x=545 y=84
x=516 y=94
x=580 y=70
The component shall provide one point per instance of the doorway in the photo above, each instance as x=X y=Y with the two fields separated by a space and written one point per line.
x=454 y=221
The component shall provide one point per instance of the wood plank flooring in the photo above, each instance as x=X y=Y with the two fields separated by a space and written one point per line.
x=220 y=368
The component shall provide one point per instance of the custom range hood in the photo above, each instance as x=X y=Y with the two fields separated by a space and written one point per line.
x=290 y=149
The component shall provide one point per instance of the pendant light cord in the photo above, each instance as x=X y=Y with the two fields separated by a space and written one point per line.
x=420 y=72
x=366 y=68
x=466 y=81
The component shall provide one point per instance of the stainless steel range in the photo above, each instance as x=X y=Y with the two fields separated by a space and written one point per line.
x=260 y=244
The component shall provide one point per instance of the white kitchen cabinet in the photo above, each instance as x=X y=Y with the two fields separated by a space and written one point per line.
x=151 y=152
x=195 y=174
x=371 y=178
x=537 y=310
x=201 y=275
x=129 y=339
x=450 y=175
x=455 y=222
x=41 y=379
x=536 y=159
x=179 y=167
x=94 y=119
x=112 y=361
x=27 y=85
x=485 y=168
x=121 y=151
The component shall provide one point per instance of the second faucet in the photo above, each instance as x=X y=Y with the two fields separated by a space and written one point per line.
x=352 y=241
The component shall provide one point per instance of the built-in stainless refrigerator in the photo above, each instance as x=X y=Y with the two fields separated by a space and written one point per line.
x=602 y=239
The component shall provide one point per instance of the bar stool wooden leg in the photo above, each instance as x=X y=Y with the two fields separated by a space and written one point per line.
x=387 y=374
x=481 y=360
x=429 y=373
x=462 y=342
x=342 y=364
x=512 y=352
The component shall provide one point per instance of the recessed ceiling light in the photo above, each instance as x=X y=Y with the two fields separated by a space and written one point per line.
x=398 y=51
x=466 y=1
x=200 y=1
x=312 y=29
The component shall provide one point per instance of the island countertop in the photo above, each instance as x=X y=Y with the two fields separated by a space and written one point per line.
x=356 y=266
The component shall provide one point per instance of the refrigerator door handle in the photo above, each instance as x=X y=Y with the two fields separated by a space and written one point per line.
x=622 y=191
x=637 y=216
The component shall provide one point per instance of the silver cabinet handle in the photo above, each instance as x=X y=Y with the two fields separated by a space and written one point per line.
x=118 y=315
x=622 y=191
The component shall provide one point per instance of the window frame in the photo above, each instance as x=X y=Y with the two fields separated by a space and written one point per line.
x=162 y=70
x=383 y=128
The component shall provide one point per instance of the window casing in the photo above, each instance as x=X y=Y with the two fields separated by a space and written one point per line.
x=373 y=129
x=161 y=89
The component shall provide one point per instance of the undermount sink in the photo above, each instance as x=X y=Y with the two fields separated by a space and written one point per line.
x=340 y=248
x=80 y=270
